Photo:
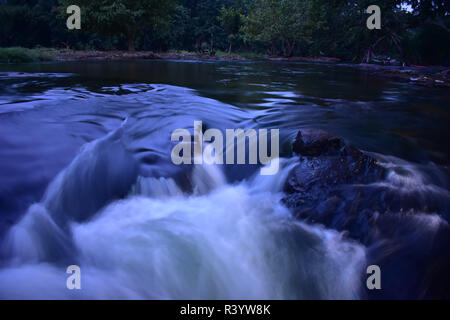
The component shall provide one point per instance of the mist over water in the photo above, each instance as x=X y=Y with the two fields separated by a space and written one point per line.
x=87 y=179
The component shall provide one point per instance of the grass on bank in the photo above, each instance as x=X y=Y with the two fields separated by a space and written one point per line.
x=246 y=55
x=223 y=54
x=21 y=55
x=24 y=55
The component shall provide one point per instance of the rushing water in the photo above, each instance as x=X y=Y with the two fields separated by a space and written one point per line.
x=87 y=177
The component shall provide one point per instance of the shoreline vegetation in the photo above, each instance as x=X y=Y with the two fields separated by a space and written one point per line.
x=432 y=76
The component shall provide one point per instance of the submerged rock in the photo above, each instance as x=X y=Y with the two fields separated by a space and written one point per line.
x=390 y=207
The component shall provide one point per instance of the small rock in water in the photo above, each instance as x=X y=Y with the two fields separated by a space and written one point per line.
x=314 y=143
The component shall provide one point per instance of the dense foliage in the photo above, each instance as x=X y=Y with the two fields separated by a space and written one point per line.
x=413 y=31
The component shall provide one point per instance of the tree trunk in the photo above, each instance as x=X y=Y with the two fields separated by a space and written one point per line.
x=198 y=43
x=369 y=55
x=273 y=48
x=130 y=37
x=291 y=48
x=229 y=49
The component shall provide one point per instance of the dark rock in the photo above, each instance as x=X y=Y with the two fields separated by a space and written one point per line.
x=334 y=176
x=318 y=186
x=345 y=189
x=313 y=143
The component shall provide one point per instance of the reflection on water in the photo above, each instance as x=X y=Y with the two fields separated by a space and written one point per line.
x=375 y=114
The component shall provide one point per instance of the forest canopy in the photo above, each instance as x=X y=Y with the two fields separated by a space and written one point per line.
x=413 y=31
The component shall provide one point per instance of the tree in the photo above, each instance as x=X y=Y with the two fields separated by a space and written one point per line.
x=432 y=12
x=428 y=34
x=204 y=25
x=287 y=21
x=231 y=20
x=294 y=24
x=387 y=40
x=29 y=23
x=342 y=31
x=126 y=17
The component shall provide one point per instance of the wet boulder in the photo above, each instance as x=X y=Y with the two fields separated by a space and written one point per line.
x=319 y=188
x=389 y=205
x=342 y=187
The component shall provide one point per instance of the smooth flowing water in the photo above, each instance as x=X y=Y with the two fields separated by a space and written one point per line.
x=87 y=177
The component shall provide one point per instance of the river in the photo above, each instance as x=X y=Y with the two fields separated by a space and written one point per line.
x=87 y=177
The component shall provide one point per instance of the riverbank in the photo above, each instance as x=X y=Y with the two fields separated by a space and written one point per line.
x=431 y=76
x=18 y=55
x=75 y=55
x=24 y=55
x=428 y=76
x=72 y=55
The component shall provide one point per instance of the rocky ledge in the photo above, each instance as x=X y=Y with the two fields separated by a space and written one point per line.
x=405 y=228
